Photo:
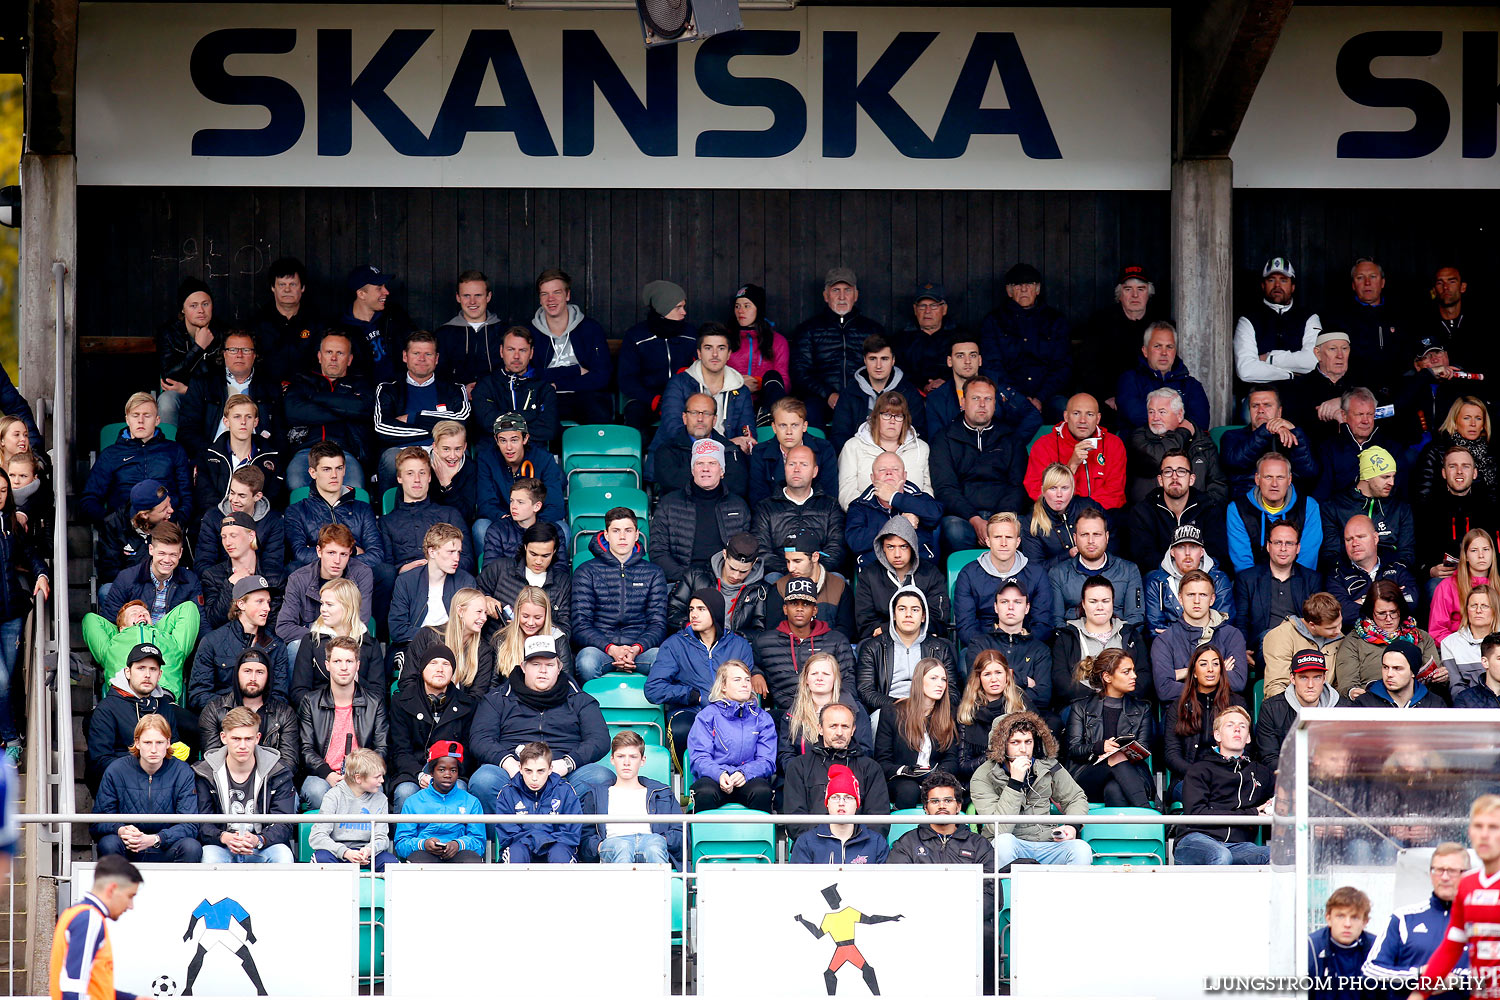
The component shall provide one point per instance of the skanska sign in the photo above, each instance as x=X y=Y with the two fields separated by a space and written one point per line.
x=204 y=94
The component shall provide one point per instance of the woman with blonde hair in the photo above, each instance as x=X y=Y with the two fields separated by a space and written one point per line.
x=338 y=615
x=1047 y=530
x=469 y=634
x=888 y=429
x=917 y=735
x=990 y=693
x=1468 y=427
x=819 y=683
x=1476 y=561
x=732 y=745
x=532 y=616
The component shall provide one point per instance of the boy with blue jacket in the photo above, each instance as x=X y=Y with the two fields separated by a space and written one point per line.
x=457 y=842
x=536 y=790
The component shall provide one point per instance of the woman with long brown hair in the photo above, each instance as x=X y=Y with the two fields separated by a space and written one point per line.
x=1190 y=722
x=1476 y=564
x=1101 y=724
x=990 y=693
x=917 y=735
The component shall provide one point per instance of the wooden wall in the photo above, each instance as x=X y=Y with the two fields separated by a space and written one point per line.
x=135 y=244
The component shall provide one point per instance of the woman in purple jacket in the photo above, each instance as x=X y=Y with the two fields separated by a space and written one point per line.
x=732 y=745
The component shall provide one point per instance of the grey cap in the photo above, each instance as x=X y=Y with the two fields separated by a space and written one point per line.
x=248 y=585
x=839 y=275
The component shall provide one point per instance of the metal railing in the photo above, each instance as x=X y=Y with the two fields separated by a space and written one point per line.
x=683 y=941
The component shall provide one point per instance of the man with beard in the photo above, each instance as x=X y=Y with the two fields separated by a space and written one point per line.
x=1274 y=340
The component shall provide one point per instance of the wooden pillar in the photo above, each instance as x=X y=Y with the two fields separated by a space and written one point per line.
x=1202 y=256
x=49 y=233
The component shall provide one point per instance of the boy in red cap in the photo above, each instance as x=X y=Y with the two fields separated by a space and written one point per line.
x=458 y=841
x=840 y=843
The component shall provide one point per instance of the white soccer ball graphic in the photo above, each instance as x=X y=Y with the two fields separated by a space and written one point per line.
x=164 y=986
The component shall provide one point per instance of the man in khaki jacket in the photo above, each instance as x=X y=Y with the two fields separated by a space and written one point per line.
x=1320 y=627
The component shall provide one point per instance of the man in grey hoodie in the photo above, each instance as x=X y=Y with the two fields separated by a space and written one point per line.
x=879 y=375
x=573 y=351
x=899 y=564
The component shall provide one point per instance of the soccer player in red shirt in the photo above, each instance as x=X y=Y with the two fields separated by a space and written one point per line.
x=1475 y=918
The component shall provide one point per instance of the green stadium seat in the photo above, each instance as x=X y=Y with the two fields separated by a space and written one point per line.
x=1217 y=433
x=1041 y=432
x=589 y=479
x=372 y=929
x=388 y=499
x=657 y=766
x=1260 y=696
x=764 y=434
x=587 y=507
x=956 y=562
x=110 y=433
x=1122 y=844
x=817 y=432
x=750 y=842
x=603 y=448
x=895 y=831
x=304 y=848
x=621 y=697
x=581 y=555
x=302 y=493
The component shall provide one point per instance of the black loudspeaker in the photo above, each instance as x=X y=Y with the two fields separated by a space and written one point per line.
x=666 y=21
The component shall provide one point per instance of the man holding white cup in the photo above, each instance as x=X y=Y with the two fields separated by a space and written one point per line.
x=1095 y=456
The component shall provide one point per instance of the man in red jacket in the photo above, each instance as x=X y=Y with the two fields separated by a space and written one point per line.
x=1096 y=456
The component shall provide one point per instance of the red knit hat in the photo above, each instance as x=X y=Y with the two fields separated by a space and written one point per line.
x=841 y=781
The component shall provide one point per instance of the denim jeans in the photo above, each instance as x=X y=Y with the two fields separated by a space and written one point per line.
x=10 y=648
x=169 y=406
x=590 y=662
x=297 y=475
x=313 y=790
x=381 y=860
x=1009 y=847
x=957 y=534
x=273 y=854
x=1201 y=849
x=648 y=848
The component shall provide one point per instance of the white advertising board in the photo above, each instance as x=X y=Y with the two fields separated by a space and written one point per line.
x=483 y=96
x=233 y=921
x=1361 y=97
x=550 y=930
x=1173 y=907
x=821 y=919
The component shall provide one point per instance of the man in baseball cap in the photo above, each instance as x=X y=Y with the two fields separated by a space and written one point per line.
x=922 y=348
x=737 y=573
x=840 y=843
x=1273 y=342
x=453 y=842
x=827 y=346
x=1309 y=689
x=378 y=333
x=515 y=456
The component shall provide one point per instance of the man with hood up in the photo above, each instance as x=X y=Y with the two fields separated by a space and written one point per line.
x=1186 y=553
x=470 y=344
x=898 y=563
x=654 y=350
x=573 y=351
x=879 y=374
x=886 y=664
x=977 y=584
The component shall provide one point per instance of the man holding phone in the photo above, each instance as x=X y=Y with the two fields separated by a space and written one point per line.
x=1023 y=777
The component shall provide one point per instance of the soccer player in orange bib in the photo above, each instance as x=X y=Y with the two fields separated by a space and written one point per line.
x=1474 y=921
x=83 y=964
x=839 y=925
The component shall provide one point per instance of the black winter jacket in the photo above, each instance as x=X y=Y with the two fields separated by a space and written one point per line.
x=872 y=669
x=828 y=349
x=1029 y=658
x=178 y=355
x=780 y=656
x=1394 y=525
x=415 y=726
x=618 y=603
x=669 y=462
x=1030 y=348
x=504 y=578
x=111 y=729
x=976 y=473
x=568 y=721
x=819 y=515
x=1067 y=652
x=501 y=392
x=217 y=591
x=318 y=408
x=872 y=598
x=315 y=727
x=278 y=725
x=1445 y=520
x=402 y=531
x=1152 y=525
x=202 y=409
x=1086 y=729
x=674 y=525
x=216 y=663
x=806 y=780
x=747 y=614
x=120 y=545
x=1219 y=786
x=129 y=461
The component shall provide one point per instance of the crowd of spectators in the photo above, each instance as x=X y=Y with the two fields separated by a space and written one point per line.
x=351 y=575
